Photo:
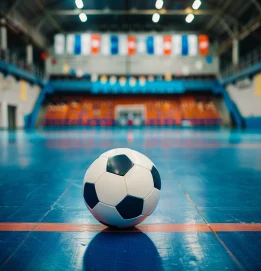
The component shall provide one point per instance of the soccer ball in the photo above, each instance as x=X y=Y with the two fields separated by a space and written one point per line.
x=121 y=188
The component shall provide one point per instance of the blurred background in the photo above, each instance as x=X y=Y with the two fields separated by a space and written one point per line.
x=130 y=63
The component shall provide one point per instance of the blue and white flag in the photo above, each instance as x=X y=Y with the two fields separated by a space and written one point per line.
x=158 y=45
x=176 y=45
x=70 y=44
x=150 y=45
x=141 y=45
x=86 y=44
x=192 y=45
x=123 y=47
x=77 y=44
x=59 y=44
x=114 y=45
x=185 y=45
x=105 y=44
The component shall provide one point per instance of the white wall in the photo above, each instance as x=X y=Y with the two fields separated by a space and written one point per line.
x=245 y=97
x=142 y=64
x=10 y=95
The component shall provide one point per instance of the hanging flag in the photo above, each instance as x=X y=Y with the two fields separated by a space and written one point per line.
x=141 y=45
x=167 y=45
x=131 y=45
x=114 y=45
x=158 y=45
x=77 y=45
x=257 y=82
x=176 y=44
x=150 y=45
x=95 y=44
x=86 y=44
x=185 y=45
x=123 y=44
x=70 y=44
x=59 y=44
x=23 y=90
x=105 y=44
x=193 y=45
x=203 y=44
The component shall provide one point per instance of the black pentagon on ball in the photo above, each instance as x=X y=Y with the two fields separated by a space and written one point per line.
x=156 y=178
x=130 y=207
x=119 y=164
x=90 y=195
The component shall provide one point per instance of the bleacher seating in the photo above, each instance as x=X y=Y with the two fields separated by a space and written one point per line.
x=160 y=110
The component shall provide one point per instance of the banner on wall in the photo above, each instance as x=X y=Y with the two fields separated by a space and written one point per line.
x=203 y=44
x=193 y=45
x=167 y=45
x=257 y=80
x=141 y=45
x=176 y=44
x=95 y=44
x=85 y=44
x=122 y=44
x=158 y=45
x=114 y=45
x=59 y=44
x=131 y=45
x=105 y=44
x=23 y=90
x=70 y=44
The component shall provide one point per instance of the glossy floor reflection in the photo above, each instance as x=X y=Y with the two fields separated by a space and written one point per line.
x=122 y=251
x=207 y=177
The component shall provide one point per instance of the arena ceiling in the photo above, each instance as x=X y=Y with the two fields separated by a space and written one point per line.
x=221 y=19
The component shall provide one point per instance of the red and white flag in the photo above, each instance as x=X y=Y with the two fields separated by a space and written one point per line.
x=203 y=44
x=95 y=44
x=167 y=45
x=131 y=45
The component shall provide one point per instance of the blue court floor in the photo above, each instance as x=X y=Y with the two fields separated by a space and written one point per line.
x=208 y=177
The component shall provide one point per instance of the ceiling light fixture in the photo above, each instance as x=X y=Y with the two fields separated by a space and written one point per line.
x=155 y=17
x=189 y=18
x=196 y=4
x=159 y=4
x=79 y=4
x=83 y=17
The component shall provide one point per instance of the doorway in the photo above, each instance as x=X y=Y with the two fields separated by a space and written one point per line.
x=11 y=117
x=130 y=115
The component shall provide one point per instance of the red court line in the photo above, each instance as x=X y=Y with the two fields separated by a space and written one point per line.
x=65 y=227
x=17 y=226
x=229 y=227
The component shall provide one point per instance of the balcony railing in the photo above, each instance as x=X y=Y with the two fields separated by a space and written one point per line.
x=11 y=58
x=252 y=58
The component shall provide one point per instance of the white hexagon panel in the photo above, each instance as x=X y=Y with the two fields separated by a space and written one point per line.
x=96 y=169
x=139 y=182
x=141 y=160
x=107 y=215
x=111 y=189
x=151 y=202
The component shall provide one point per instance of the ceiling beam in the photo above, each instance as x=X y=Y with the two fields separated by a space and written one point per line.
x=226 y=15
x=234 y=19
x=19 y=24
x=49 y=16
x=226 y=27
x=13 y=7
x=131 y=12
x=250 y=27
x=218 y=15
x=256 y=4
